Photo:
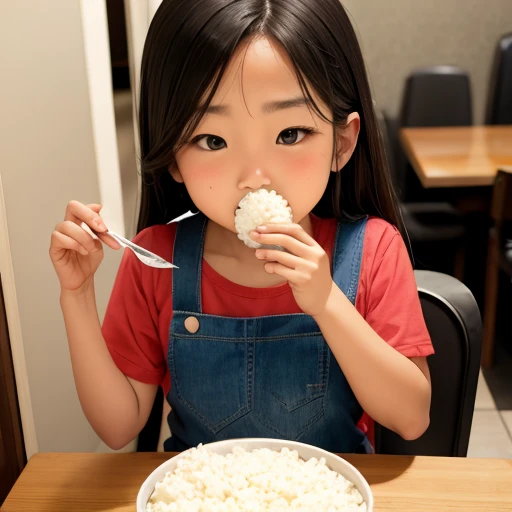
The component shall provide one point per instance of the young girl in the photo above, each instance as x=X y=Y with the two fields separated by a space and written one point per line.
x=236 y=96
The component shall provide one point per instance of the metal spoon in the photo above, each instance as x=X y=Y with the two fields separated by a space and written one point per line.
x=147 y=257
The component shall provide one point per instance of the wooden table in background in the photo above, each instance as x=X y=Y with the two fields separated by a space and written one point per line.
x=461 y=163
x=80 y=482
x=466 y=156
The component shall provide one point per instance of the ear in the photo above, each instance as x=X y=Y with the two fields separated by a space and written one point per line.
x=175 y=173
x=346 y=140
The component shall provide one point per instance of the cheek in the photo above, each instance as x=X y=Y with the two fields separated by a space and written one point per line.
x=196 y=172
x=307 y=175
x=313 y=156
x=307 y=164
x=204 y=174
x=304 y=164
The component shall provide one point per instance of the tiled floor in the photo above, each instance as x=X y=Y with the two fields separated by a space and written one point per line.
x=491 y=434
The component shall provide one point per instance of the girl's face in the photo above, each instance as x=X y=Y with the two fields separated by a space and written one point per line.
x=258 y=133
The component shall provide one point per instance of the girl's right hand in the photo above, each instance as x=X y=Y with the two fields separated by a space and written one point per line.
x=75 y=254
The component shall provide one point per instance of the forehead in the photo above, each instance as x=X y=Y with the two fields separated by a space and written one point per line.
x=259 y=66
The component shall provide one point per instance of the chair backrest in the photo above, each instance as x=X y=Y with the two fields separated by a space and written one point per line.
x=383 y=129
x=501 y=213
x=386 y=125
x=501 y=205
x=499 y=105
x=453 y=320
x=437 y=96
x=149 y=437
x=434 y=96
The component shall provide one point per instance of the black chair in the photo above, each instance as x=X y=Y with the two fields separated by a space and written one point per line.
x=499 y=106
x=437 y=96
x=499 y=257
x=427 y=223
x=432 y=97
x=453 y=321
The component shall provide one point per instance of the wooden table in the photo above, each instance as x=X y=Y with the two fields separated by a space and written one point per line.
x=467 y=156
x=59 y=482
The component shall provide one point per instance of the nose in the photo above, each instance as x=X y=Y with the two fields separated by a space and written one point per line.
x=254 y=178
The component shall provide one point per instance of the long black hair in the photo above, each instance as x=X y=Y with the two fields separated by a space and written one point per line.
x=187 y=50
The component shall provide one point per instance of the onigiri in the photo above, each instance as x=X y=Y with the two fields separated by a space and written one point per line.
x=258 y=208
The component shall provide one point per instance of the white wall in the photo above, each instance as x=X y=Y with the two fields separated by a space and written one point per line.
x=51 y=152
x=139 y=14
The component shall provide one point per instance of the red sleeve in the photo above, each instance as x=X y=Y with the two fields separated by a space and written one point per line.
x=130 y=326
x=388 y=298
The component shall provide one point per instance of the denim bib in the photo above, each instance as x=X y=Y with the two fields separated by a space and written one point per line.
x=271 y=376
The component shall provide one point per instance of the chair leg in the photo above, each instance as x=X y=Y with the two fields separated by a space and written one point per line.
x=459 y=264
x=491 y=301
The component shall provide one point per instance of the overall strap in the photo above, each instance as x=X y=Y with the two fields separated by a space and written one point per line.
x=188 y=257
x=347 y=256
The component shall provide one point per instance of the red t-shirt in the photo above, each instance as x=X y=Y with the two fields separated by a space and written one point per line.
x=138 y=316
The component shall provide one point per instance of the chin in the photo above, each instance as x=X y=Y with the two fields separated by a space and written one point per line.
x=224 y=223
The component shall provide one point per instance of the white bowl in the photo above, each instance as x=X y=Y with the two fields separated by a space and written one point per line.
x=305 y=451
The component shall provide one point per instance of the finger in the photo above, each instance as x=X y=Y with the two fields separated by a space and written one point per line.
x=294 y=230
x=62 y=243
x=77 y=212
x=285 y=258
x=104 y=237
x=108 y=240
x=75 y=232
x=287 y=273
x=288 y=242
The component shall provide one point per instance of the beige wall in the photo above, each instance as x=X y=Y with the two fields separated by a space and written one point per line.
x=400 y=35
x=50 y=154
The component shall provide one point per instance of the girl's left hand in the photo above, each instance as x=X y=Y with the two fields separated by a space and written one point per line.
x=305 y=266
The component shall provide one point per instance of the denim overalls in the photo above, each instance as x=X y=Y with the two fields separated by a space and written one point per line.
x=272 y=376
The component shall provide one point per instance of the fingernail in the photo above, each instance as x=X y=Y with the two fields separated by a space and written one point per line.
x=254 y=234
x=100 y=224
x=262 y=228
x=259 y=253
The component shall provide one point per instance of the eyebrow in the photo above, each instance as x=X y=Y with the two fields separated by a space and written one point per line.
x=267 y=108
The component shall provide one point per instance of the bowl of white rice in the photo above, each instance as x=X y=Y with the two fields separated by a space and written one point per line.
x=255 y=475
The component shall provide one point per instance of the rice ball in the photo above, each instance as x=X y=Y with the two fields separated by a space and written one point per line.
x=259 y=208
